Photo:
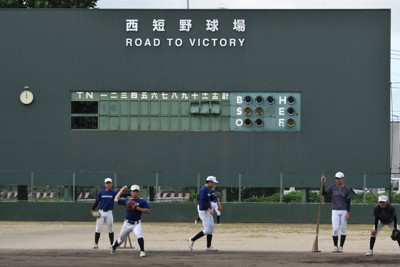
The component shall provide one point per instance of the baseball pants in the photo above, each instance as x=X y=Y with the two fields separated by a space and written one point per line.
x=381 y=225
x=208 y=222
x=214 y=206
x=127 y=228
x=105 y=217
x=339 y=222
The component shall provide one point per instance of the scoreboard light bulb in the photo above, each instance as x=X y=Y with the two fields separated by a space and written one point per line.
x=247 y=122
x=270 y=100
x=259 y=100
x=290 y=122
x=291 y=100
x=248 y=111
x=248 y=99
x=259 y=111
x=290 y=111
x=259 y=122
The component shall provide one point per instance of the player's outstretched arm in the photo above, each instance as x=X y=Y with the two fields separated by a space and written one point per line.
x=118 y=196
x=144 y=210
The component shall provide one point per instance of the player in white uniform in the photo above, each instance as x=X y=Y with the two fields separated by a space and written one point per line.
x=341 y=199
x=216 y=204
x=106 y=200
x=206 y=213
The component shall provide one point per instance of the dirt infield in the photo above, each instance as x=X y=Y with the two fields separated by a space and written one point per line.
x=81 y=258
x=69 y=244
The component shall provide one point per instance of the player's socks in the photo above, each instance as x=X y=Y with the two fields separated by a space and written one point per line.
x=372 y=242
x=96 y=237
x=111 y=236
x=218 y=218
x=116 y=244
x=342 y=239
x=141 y=243
x=335 y=240
x=209 y=239
x=200 y=234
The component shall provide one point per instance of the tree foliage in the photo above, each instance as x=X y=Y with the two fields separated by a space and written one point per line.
x=48 y=3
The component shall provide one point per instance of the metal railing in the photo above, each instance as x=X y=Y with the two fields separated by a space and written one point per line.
x=279 y=187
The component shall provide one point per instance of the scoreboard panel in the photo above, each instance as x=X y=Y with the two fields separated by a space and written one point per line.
x=186 y=111
x=265 y=111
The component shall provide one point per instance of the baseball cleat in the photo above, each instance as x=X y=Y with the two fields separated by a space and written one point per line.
x=95 y=246
x=211 y=249
x=369 y=253
x=142 y=254
x=335 y=249
x=191 y=244
x=340 y=249
x=112 y=250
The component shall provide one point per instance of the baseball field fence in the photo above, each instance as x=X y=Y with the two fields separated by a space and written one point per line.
x=282 y=187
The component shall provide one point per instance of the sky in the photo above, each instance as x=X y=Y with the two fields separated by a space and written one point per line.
x=394 y=5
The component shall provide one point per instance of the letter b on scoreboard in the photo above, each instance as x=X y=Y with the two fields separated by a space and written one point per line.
x=265 y=111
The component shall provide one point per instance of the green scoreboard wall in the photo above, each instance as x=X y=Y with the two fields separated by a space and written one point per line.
x=258 y=92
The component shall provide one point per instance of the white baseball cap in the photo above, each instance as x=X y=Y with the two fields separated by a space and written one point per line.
x=212 y=179
x=339 y=175
x=383 y=199
x=135 y=187
x=108 y=180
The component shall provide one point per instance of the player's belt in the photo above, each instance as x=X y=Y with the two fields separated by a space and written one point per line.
x=104 y=210
x=133 y=222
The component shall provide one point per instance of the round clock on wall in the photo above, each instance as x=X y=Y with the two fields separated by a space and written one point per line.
x=26 y=97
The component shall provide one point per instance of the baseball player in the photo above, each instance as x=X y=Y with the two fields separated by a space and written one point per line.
x=385 y=214
x=341 y=198
x=135 y=206
x=206 y=213
x=216 y=204
x=106 y=200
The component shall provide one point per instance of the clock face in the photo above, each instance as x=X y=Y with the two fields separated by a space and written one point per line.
x=26 y=97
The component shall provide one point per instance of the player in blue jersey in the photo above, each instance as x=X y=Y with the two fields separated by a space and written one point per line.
x=216 y=205
x=135 y=206
x=206 y=213
x=106 y=200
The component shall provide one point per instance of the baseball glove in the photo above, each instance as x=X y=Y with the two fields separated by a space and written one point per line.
x=395 y=235
x=131 y=205
x=95 y=214
x=217 y=194
x=220 y=207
